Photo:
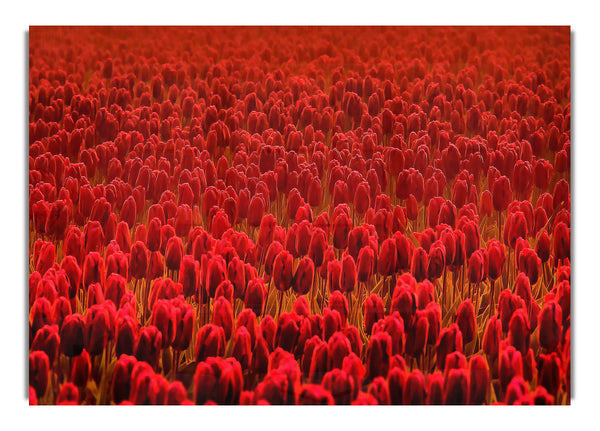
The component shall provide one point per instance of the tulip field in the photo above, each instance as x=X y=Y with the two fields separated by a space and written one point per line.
x=299 y=215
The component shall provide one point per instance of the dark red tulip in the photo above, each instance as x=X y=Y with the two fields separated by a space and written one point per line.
x=223 y=315
x=148 y=346
x=267 y=230
x=365 y=264
x=210 y=341
x=255 y=296
x=549 y=372
x=450 y=340
x=478 y=380
x=46 y=258
x=379 y=390
x=418 y=267
x=163 y=319
x=256 y=210
x=114 y=288
x=374 y=311
x=414 y=389
x=317 y=246
x=507 y=304
x=60 y=309
x=47 y=340
x=510 y=365
x=542 y=173
x=93 y=269
x=81 y=369
x=496 y=258
x=315 y=395
x=348 y=275
x=282 y=271
x=72 y=335
x=465 y=319
x=125 y=335
x=183 y=314
x=530 y=264
x=378 y=354
x=436 y=260
x=476 y=269
x=550 y=326
x=189 y=275
x=501 y=193
x=386 y=263
x=561 y=241
x=303 y=278
x=174 y=253
x=241 y=349
x=214 y=274
x=341 y=228
x=519 y=331
x=435 y=390
x=516 y=391
x=456 y=388
x=58 y=219
x=39 y=372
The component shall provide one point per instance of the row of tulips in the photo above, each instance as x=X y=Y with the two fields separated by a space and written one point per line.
x=220 y=226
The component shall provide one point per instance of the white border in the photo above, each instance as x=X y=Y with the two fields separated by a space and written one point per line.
x=585 y=183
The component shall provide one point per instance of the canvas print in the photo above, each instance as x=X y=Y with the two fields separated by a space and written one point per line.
x=299 y=215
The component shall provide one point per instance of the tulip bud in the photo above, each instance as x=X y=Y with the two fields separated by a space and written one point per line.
x=81 y=369
x=465 y=319
x=365 y=264
x=386 y=263
x=414 y=389
x=47 y=340
x=478 y=380
x=450 y=340
x=550 y=372
x=139 y=260
x=303 y=278
x=315 y=395
x=282 y=270
x=223 y=315
x=456 y=388
x=149 y=345
x=418 y=267
x=210 y=341
x=492 y=337
x=93 y=269
x=501 y=193
x=374 y=311
x=510 y=365
x=378 y=354
x=550 y=326
x=39 y=371
x=174 y=253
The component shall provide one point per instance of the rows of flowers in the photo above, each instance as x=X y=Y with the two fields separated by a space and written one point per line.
x=299 y=215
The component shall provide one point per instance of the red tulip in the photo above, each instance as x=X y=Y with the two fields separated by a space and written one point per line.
x=550 y=326
x=450 y=340
x=303 y=278
x=501 y=193
x=81 y=370
x=282 y=271
x=418 y=267
x=365 y=264
x=465 y=319
x=210 y=341
x=39 y=372
x=456 y=388
x=223 y=315
x=47 y=340
x=378 y=354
